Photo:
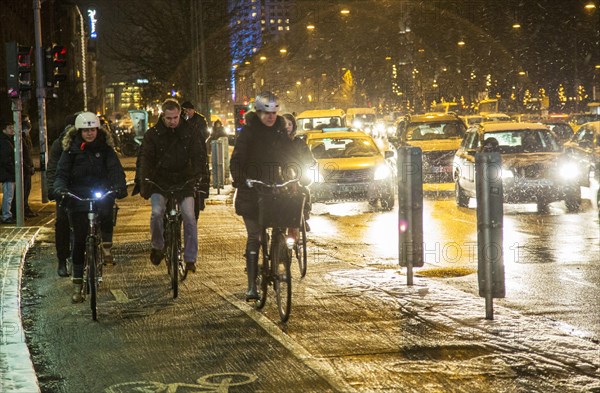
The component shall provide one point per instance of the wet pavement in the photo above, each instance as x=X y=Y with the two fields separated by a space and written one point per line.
x=353 y=328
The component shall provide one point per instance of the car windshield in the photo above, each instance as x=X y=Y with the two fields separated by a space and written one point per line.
x=318 y=123
x=342 y=148
x=524 y=141
x=435 y=130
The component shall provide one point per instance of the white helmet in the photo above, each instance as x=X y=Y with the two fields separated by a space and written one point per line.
x=87 y=120
x=266 y=102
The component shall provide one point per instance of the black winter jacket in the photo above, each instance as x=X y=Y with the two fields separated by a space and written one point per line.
x=7 y=158
x=260 y=153
x=53 y=157
x=170 y=157
x=84 y=168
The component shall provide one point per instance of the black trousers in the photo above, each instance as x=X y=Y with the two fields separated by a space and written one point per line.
x=79 y=227
x=62 y=233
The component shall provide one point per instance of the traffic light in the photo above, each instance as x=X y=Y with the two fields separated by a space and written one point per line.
x=239 y=111
x=56 y=72
x=18 y=67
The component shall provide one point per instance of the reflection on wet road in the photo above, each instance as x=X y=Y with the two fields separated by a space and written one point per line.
x=551 y=259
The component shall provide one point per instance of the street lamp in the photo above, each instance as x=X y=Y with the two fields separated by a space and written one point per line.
x=345 y=11
x=310 y=27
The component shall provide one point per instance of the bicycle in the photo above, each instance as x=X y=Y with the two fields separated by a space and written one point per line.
x=93 y=260
x=279 y=209
x=172 y=234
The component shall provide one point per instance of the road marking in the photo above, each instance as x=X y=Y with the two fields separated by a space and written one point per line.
x=321 y=367
x=119 y=295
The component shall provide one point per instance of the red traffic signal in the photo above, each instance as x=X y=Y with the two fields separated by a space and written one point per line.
x=59 y=55
x=18 y=66
x=239 y=113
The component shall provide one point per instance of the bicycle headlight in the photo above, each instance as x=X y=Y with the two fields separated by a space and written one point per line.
x=382 y=172
x=97 y=194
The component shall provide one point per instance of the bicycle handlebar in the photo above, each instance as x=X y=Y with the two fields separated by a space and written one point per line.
x=251 y=182
x=97 y=196
x=173 y=189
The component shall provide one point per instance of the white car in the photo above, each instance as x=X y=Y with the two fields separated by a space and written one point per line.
x=534 y=168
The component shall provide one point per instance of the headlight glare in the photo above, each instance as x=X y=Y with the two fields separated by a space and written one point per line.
x=568 y=170
x=382 y=172
x=507 y=173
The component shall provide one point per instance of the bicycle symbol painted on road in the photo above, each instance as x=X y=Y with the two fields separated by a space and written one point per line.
x=217 y=383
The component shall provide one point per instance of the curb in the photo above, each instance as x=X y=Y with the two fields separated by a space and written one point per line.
x=16 y=368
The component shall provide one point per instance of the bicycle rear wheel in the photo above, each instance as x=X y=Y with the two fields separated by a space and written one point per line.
x=174 y=252
x=262 y=276
x=90 y=279
x=281 y=261
x=300 y=249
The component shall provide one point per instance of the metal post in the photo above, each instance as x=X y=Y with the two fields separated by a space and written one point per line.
x=17 y=107
x=410 y=209
x=490 y=216
x=41 y=97
x=204 y=85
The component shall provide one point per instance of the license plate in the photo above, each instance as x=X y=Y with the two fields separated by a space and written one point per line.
x=441 y=169
x=349 y=188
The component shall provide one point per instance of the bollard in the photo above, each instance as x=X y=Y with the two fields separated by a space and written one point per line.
x=218 y=165
x=410 y=209
x=490 y=216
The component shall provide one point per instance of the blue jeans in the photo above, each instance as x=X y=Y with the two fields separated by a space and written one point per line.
x=8 y=193
x=190 y=229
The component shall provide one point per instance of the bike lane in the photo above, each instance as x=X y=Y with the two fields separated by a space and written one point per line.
x=145 y=340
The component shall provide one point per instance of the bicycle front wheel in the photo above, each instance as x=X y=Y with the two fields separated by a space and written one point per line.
x=91 y=279
x=281 y=260
x=301 y=247
x=262 y=276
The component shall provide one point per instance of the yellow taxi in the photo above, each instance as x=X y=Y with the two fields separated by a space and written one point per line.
x=439 y=136
x=351 y=166
x=320 y=119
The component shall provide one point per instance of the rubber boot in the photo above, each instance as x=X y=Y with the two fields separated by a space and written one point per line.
x=251 y=268
x=77 y=296
x=62 y=268
x=106 y=253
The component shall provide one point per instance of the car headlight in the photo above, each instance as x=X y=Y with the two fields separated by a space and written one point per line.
x=382 y=172
x=357 y=124
x=506 y=173
x=568 y=170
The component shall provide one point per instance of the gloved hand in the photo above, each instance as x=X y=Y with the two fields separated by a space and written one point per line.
x=136 y=187
x=121 y=193
x=203 y=187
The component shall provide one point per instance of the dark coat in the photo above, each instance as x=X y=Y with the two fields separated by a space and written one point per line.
x=28 y=168
x=7 y=158
x=198 y=122
x=170 y=157
x=259 y=153
x=84 y=168
x=53 y=157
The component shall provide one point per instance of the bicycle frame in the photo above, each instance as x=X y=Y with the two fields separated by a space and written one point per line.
x=172 y=235
x=276 y=262
x=92 y=265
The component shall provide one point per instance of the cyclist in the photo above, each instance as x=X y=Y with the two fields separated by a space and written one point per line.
x=172 y=154
x=262 y=152
x=304 y=157
x=88 y=164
